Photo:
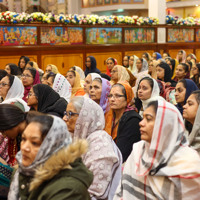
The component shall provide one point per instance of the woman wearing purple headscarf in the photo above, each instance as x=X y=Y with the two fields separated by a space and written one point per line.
x=99 y=91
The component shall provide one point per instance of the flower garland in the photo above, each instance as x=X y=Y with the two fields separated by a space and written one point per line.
x=14 y=18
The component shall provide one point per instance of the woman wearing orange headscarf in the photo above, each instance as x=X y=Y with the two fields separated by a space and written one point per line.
x=122 y=121
x=75 y=81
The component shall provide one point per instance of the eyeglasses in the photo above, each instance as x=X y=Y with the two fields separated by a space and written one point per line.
x=3 y=84
x=69 y=114
x=115 y=96
x=113 y=71
x=26 y=76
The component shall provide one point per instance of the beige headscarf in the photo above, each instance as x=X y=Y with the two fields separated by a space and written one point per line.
x=54 y=69
x=77 y=84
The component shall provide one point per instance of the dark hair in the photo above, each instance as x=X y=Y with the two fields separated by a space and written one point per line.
x=26 y=59
x=197 y=95
x=105 y=76
x=150 y=81
x=3 y=73
x=51 y=74
x=30 y=63
x=11 y=79
x=32 y=71
x=146 y=55
x=141 y=59
x=185 y=67
x=10 y=116
x=73 y=72
x=189 y=63
x=110 y=58
x=73 y=68
x=127 y=57
x=14 y=70
x=184 y=83
x=45 y=122
x=122 y=87
x=180 y=51
x=154 y=104
x=36 y=92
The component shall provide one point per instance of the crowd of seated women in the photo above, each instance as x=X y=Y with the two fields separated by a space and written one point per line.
x=131 y=133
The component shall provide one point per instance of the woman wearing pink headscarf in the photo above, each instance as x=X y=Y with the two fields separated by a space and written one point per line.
x=181 y=56
x=30 y=77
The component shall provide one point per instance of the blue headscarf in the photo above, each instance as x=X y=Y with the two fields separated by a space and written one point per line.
x=190 y=87
x=93 y=68
x=158 y=55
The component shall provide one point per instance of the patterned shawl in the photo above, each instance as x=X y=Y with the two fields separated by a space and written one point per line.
x=166 y=168
x=57 y=138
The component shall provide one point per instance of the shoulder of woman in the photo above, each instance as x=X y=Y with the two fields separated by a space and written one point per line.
x=131 y=114
x=19 y=105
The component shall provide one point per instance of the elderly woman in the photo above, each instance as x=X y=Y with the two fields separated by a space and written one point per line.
x=49 y=166
x=119 y=73
x=59 y=84
x=191 y=113
x=121 y=120
x=161 y=166
x=99 y=91
x=85 y=120
x=74 y=79
x=30 y=77
x=88 y=81
x=44 y=99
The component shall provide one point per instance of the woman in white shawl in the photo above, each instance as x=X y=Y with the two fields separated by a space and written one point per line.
x=12 y=92
x=142 y=67
x=147 y=91
x=191 y=113
x=162 y=165
x=132 y=64
x=62 y=87
x=85 y=120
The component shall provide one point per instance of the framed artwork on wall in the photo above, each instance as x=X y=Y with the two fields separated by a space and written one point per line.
x=61 y=35
x=92 y=2
x=197 y=35
x=106 y=2
x=20 y=36
x=103 y=35
x=125 y=1
x=99 y=2
x=115 y=1
x=138 y=1
x=180 y=35
x=139 y=35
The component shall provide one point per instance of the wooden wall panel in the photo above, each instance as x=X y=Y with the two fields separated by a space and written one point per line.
x=102 y=57
x=13 y=59
x=138 y=53
x=174 y=52
x=63 y=61
x=198 y=54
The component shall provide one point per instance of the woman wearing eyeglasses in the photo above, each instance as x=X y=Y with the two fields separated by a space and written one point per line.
x=85 y=120
x=122 y=121
x=29 y=78
x=44 y=99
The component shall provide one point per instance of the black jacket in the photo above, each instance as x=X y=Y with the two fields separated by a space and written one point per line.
x=128 y=132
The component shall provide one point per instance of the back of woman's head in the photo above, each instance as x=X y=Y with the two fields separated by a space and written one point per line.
x=10 y=116
x=77 y=102
x=3 y=73
x=13 y=69
x=33 y=64
x=11 y=79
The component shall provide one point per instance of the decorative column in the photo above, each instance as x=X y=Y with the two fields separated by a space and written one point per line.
x=74 y=7
x=157 y=8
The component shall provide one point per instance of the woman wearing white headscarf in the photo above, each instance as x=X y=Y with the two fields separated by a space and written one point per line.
x=62 y=87
x=162 y=165
x=142 y=67
x=147 y=91
x=85 y=120
x=132 y=64
x=13 y=92
x=49 y=166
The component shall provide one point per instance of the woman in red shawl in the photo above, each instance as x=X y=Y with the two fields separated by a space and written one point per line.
x=111 y=62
